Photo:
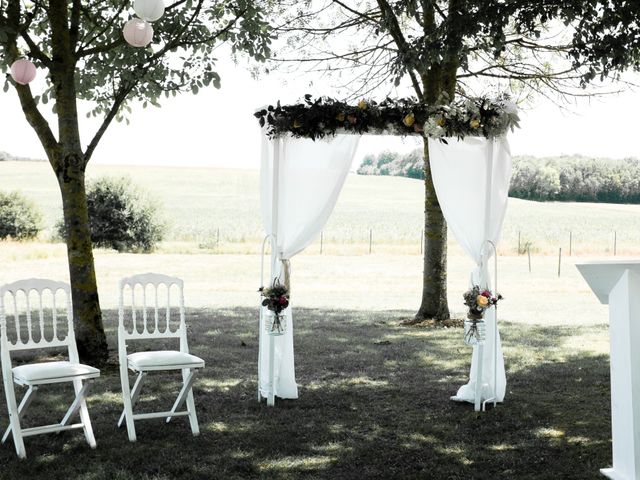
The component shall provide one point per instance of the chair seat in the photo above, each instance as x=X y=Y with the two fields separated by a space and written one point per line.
x=163 y=360
x=53 y=372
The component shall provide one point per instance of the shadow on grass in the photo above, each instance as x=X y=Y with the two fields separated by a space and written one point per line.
x=374 y=403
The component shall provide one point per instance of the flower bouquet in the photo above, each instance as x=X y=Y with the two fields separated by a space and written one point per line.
x=478 y=302
x=276 y=299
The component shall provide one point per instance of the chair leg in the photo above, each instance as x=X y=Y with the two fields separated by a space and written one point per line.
x=14 y=416
x=84 y=411
x=191 y=406
x=188 y=377
x=77 y=402
x=26 y=401
x=126 y=400
x=193 y=418
x=135 y=393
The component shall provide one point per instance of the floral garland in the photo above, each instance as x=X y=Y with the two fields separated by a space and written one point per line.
x=477 y=117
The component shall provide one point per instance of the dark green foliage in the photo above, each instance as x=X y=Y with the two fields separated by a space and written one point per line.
x=20 y=219
x=114 y=72
x=405 y=116
x=121 y=216
x=578 y=179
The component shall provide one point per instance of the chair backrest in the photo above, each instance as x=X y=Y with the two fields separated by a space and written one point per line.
x=44 y=332
x=148 y=301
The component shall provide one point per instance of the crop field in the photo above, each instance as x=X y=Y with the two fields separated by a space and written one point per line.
x=217 y=210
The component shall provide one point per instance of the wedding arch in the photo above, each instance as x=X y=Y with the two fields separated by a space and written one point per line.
x=307 y=151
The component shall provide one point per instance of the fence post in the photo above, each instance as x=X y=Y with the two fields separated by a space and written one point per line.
x=321 y=240
x=570 y=242
x=370 y=239
x=559 y=261
x=529 y=255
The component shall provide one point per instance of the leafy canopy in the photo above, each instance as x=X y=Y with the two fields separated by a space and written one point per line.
x=109 y=72
x=454 y=46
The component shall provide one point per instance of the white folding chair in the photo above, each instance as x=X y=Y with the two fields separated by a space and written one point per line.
x=149 y=361
x=33 y=375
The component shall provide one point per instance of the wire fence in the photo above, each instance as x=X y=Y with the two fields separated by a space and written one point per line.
x=518 y=243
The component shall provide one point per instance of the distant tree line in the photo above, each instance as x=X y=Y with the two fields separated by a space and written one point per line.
x=7 y=157
x=394 y=164
x=567 y=178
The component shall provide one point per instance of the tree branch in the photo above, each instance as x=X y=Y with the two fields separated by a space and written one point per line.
x=27 y=102
x=37 y=121
x=126 y=89
x=101 y=48
x=34 y=50
x=405 y=50
x=74 y=28
x=355 y=12
x=81 y=52
x=113 y=111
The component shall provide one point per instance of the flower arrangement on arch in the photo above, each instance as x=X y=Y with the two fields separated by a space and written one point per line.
x=324 y=116
x=275 y=297
x=479 y=300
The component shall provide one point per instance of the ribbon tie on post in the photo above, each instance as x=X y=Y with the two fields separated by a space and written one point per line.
x=286 y=270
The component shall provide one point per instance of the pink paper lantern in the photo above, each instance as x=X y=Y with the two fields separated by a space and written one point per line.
x=23 y=71
x=137 y=32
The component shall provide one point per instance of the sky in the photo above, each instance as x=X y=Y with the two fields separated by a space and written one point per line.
x=216 y=128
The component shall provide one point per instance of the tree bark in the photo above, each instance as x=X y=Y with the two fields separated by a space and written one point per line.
x=89 y=329
x=434 y=303
x=69 y=165
x=440 y=78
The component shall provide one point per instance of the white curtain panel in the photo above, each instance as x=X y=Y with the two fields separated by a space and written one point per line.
x=311 y=177
x=471 y=178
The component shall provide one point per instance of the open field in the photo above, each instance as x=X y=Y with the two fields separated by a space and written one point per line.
x=374 y=404
x=200 y=202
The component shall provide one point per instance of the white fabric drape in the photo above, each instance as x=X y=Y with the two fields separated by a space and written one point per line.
x=471 y=178
x=311 y=177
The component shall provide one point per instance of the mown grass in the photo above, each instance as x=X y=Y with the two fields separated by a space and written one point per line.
x=374 y=403
x=217 y=211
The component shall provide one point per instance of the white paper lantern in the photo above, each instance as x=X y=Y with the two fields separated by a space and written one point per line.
x=149 y=10
x=23 y=71
x=138 y=33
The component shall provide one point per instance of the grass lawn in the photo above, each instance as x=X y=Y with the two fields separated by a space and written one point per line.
x=374 y=403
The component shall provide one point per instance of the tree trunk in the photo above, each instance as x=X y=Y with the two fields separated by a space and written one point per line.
x=434 y=286
x=89 y=330
x=69 y=163
x=440 y=78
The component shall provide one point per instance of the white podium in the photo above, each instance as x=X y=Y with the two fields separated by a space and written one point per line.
x=617 y=283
